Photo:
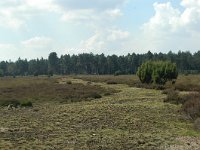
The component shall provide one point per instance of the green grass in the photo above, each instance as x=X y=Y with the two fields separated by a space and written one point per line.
x=133 y=118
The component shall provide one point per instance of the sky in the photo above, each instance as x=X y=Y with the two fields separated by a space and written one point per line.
x=34 y=28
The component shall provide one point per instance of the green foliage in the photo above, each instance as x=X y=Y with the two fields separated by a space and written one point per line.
x=53 y=62
x=88 y=63
x=1 y=73
x=69 y=82
x=13 y=103
x=117 y=73
x=35 y=74
x=158 y=72
x=26 y=104
x=50 y=73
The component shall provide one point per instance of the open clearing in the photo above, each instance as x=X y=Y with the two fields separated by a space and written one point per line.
x=133 y=118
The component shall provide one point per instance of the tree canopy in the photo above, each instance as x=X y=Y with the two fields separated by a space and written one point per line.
x=88 y=63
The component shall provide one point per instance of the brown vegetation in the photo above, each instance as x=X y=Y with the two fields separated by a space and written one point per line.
x=41 y=89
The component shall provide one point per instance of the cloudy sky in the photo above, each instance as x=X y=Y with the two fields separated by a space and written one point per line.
x=34 y=28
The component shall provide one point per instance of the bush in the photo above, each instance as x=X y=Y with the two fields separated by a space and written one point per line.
x=13 y=103
x=197 y=124
x=69 y=82
x=158 y=72
x=26 y=104
x=16 y=103
x=111 y=82
x=192 y=106
x=117 y=73
x=94 y=95
x=172 y=96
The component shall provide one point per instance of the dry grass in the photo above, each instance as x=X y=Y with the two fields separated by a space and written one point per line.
x=183 y=83
x=131 y=80
x=41 y=89
x=188 y=83
x=191 y=106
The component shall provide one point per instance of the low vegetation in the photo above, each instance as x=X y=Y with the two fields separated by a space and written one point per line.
x=71 y=115
x=130 y=119
x=43 y=89
x=184 y=84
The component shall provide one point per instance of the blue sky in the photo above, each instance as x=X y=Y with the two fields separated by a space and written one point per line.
x=31 y=29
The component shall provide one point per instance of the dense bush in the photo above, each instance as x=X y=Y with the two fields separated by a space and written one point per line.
x=158 y=72
x=26 y=104
x=69 y=82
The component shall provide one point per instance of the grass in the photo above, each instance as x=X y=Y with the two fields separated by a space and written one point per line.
x=132 y=118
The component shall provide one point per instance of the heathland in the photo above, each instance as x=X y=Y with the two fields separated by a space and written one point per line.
x=98 y=112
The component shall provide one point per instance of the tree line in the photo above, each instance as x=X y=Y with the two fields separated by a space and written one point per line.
x=88 y=63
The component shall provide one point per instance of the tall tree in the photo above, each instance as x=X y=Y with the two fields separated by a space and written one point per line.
x=53 y=63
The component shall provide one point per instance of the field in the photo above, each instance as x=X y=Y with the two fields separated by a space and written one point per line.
x=93 y=112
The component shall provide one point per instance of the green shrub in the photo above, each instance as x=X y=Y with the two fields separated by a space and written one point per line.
x=26 y=104
x=158 y=72
x=117 y=73
x=69 y=82
x=13 y=103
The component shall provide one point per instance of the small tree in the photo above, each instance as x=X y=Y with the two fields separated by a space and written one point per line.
x=158 y=72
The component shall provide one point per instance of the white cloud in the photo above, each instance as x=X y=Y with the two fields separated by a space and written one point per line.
x=171 y=29
x=116 y=34
x=37 y=42
x=4 y=46
x=7 y=19
x=104 y=40
x=113 y=13
x=190 y=3
x=8 y=51
x=15 y=13
x=99 y=5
